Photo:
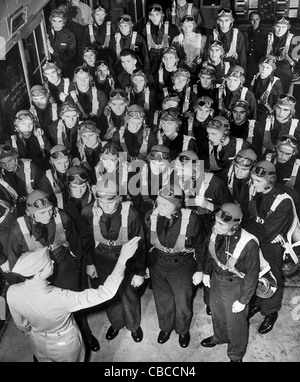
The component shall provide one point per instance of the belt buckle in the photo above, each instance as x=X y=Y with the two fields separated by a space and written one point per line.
x=112 y=242
x=50 y=247
x=157 y=46
x=133 y=159
x=169 y=250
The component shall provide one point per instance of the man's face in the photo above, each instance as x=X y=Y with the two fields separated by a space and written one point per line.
x=57 y=24
x=134 y=124
x=138 y=83
x=82 y=81
x=259 y=182
x=280 y=29
x=188 y=27
x=52 y=76
x=90 y=139
x=110 y=162
x=206 y=81
x=265 y=70
x=43 y=215
x=118 y=106
x=62 y=165
x=202 y=113
x=40 y=101
x=180 y=82
x=108 y=205
x=181 y=3
x=233 y=83
x=164 y=207
x=158 y=166
x=254 y=21
x=99 y=17
x=70 y=118
x=215 y=136
x=284 y=154
x=125 y=28
x=169 y=60
x=221 y=227
x=241 y=172
x=77 y=190
x=283 y=113
x=155 y=17
x=128 y=63
x=215 y=53
x=169 y=127
x=239 y=115
x=25 y=127
x=102 y=72
x=90 y=58
x=9 y=164
x=225 y=24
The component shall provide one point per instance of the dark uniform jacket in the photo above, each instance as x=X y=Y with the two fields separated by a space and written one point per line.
x=248 y=262
x=110 y=226
x=168 y=232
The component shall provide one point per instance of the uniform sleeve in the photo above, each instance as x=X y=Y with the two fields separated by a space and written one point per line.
x=241 y=51
x=73 y=237
x=250 y=267
x=16 y=245
x=87 y=236
x=102 y=99
x=75 y=301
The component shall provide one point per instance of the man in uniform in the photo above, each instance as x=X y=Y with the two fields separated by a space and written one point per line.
x=107 y=225
x=271 y=216
x=45 y=312
x=234 y=258
x=44 y=225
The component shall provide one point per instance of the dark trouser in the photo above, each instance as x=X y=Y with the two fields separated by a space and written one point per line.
x=231 y=328
x=274 y=255
x=173 y=293
x=124 y=309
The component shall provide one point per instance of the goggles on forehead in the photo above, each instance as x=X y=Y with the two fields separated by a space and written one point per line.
x=41 y=203
x=170 y=49
x=227 y=11
x=282 y=18
x=154 y=9
x=58 y=154
x=187 y=18
x=235 y=74
x=155 y=154
x=98 y=8
x=89 y=127
x=124 y=19
x=21 y=116
x=216 y=43
x=110 y=151
x=204 y=104
x=117 y=94
x=261 y=171
x=81 y=69
x=291 y=99
x=292 y=141
x=241 y=103
x=218 y=124
x=182 y=72
x=226 y=216
x=7 y=150
x=83 y=177
x=184 y=159
x=136 y=114
x=172 y=112
x=206 y=71
x=246 y=162
x=101 y=195
x=60 y=14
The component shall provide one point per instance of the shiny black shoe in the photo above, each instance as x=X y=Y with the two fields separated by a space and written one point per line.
x=208 y=311
x=236 y=360
x=137 y=335
x=184 y=340
x=208 y=342
x=252 y=311
x=163 y=337
x=268 y=323
x=111 y=333
x=92 y=343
